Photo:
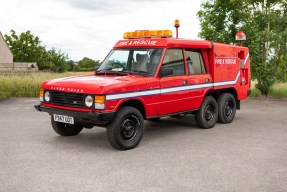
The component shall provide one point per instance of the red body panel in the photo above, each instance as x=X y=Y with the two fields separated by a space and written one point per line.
x=197 y=95
x=227 y=67
x=176 y=101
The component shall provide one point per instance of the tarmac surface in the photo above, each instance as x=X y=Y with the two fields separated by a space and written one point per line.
x=250 y=154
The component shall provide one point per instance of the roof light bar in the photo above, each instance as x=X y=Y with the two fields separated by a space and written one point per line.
x=147 y=33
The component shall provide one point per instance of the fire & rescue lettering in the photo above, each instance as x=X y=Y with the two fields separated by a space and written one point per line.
x=225 y=61
x=138 y=42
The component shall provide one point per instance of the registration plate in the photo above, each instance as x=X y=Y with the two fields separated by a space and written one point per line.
x=64 y=119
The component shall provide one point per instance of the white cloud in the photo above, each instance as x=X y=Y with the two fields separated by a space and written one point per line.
x=91 y=27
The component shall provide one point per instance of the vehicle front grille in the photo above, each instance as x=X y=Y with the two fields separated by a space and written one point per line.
x=67 y=99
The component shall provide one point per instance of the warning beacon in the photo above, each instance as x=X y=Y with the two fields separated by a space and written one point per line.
x=240 y=36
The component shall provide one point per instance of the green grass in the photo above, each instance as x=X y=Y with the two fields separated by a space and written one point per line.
x=278 y=90
x=27 y=84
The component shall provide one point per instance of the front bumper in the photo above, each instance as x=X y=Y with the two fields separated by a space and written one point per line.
x=82 y=117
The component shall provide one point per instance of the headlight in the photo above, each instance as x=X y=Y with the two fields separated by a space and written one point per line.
x=89 y=101
x=47 y=96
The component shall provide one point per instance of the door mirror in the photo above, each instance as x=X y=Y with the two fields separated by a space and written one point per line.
x=166 y=72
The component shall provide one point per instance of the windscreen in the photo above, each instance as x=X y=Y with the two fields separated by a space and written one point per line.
x=141 y=61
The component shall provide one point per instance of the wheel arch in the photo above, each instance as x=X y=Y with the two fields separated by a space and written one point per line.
x=136 y=103
x=216 y=93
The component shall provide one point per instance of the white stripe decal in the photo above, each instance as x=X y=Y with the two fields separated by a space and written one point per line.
x=246 y=58
x=169 y=90
x=227 y=82
x=132 y=94
x=184 y=88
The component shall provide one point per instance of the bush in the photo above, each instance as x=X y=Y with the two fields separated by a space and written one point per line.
x=255 y=93
x=265 y=79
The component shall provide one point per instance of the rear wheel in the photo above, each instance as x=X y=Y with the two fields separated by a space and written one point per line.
x=126 y=131
x=65 y=129
x=207 y=116
x=226 y=108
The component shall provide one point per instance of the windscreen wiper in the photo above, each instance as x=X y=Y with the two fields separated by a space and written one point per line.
x=144 y=73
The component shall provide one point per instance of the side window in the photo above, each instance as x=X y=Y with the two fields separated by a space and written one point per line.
x=173 y=63
x=195 y=62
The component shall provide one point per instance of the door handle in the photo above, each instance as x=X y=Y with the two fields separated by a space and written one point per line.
x=184 y=82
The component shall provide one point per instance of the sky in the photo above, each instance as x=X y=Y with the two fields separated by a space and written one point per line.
x=90 y=28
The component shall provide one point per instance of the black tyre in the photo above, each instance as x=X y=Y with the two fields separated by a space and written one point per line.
x=127 y=129
x=64 y=129
x=207 y=116
x=226 y=108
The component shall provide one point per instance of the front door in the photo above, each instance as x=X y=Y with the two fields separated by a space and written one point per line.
x=174 y=83
x=199 y=80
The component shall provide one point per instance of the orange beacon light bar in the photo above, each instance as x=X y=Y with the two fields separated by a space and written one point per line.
x=147 y=33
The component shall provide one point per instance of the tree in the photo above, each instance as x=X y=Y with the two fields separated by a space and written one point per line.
x=264 y=23
x=71 y=65
x=220 y=20
x=27 y=47
x=57 y=60
x=87 y=64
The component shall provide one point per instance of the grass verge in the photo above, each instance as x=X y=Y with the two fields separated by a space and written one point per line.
x=278 y=90
x=27 y=84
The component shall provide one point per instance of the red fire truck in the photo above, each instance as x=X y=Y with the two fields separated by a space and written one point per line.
x=146 y=76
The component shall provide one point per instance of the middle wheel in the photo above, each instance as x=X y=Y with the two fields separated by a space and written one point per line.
x=207 y=116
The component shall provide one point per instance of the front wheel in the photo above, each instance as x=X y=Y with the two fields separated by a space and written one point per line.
x=126 y=131
x=65 y=129
x=226 y=108
x=207 y=116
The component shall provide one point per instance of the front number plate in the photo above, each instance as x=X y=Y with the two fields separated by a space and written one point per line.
x=64 y=119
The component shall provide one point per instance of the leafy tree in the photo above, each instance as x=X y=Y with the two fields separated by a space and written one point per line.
x=264 y=22
x=88 y=63
x=220 y=20
x=71 y=65
x=27 y=47
x=57 y=60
